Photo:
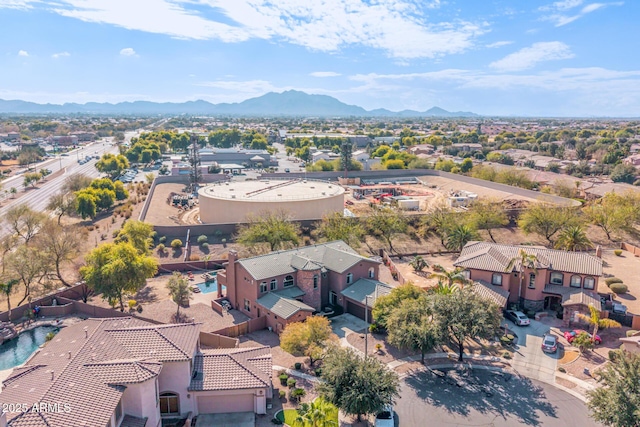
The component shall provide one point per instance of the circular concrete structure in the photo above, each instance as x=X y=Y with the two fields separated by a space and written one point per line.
x=233 y=202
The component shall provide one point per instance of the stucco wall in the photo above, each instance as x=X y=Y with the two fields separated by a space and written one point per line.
x=140 y=400
x=175 y=377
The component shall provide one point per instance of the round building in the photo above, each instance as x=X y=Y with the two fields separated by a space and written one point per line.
x=302 y=199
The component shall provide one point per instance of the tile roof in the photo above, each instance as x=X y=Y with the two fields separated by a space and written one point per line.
x=64 y=370
x=494 y=293
x=572 y=296
x=495 y=257
x=335 y=256
x=281 y=305
x=366 y=287
x=231 y=369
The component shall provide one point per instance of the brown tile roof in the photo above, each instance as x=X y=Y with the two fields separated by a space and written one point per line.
x=64 y=370
x=125 y=371
x=494 y=293
x=495 y=257
x=229 y=369
x=572 y=296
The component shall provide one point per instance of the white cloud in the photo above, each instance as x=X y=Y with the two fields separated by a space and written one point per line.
x=499 y=44
x=17 y=4
x=399 y=27
x=128 y=51
x=558 y=11
x=324 y=74
x=60 y=55
x=528 y=57
x=23 y=53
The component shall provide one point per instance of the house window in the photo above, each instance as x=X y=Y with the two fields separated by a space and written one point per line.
x=169 y=403
x=263 y=287
x=315 y=281
x=288 y=281
x=556 y=278
x=247 y=305
x=532 y=281
x=349 y=278
x=496 y=279
x=576 y=281
x=589 y=283
x=466 y=274
x=372 y=273
x=333 y=298
x=274 y=284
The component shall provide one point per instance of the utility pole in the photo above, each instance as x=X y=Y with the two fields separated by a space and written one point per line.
x=366 y=319
x=345 y=156
x=195 y=175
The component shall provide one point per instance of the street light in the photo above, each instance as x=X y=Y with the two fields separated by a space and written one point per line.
x=366 y=319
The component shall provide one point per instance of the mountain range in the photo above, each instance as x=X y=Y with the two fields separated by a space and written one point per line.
x=288 y=103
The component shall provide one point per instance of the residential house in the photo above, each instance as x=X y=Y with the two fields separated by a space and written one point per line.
x=125 y=372
x=632 y=343
x=560 y=280
x=633 y=160
x=326 y=155
x=421 y=149
x=288 y=286
x=468 y=146
x=360 y=156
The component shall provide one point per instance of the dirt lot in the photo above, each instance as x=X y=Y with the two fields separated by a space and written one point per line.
x=625 y=267
x=160 y=212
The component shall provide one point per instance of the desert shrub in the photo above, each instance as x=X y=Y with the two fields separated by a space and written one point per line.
x=561 y=369
x=506 y=355
x=161 y=248
x=619 y=288
x=139 y=309
x=283 y=379
x=631 y=333
x=162 y=239
x=176 y=243
x=297 y=366
x=205 y=245
x=291 y=382
x=296 y=394
x=374 y=327
x=202 y=239
x=611 y=280
x=282 y=394
x=618 y=252
x=318 y=372
x=49 y=336
x=194 y=257
x=132 y=303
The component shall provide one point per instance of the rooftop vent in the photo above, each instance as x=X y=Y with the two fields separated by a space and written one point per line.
x=233 y=196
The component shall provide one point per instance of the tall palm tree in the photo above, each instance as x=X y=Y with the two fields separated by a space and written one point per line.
x=459 y=236
x=444 y=288
x=451 y=277
x=314 y=414
x=596 y=321
x=573 y=239
x=7 y=289
x=522 y=261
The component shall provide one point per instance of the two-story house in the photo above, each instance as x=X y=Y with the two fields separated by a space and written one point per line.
x=559 y=279
x=125 y=372
x=287 y=286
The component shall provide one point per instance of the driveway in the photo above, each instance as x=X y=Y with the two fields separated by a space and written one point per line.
x=528 y=358
x=486 y=398
x=236 y=419
x=347 y=323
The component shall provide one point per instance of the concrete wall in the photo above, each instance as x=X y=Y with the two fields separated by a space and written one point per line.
x=209 y=339
x=74 y=292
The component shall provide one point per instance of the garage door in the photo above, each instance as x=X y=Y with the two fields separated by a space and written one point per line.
x=221 y=404
x=355 y=309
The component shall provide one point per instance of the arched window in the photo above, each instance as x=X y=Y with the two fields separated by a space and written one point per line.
x=349 y=278
x=372 y=273
x=576 y=281
x=556 y=278
x=169 y=403
x=288 y=281
x=589 y=283
x=274 y=284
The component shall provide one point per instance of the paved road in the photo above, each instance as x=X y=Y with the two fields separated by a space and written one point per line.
x=429 y=401
x=529 y=359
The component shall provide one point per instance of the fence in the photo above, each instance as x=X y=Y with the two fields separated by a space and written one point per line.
x=630 y=248
x=244 y=327
x=169 y=267
x=46 y=304
x=392 y=267
x=209 y=339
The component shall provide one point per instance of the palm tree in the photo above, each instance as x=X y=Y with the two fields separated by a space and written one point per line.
x=459 y=236
x=523 y=260
x=179 y=290
x=452 y=277
x=444 y=288
x=596 y=321
x=7 y=290
x=573 y=239
x=314 y=414
x=418 y=263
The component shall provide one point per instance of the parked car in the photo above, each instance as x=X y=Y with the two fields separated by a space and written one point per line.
x=517 y=317
x=549 y=344
x=385 y=418
x=570 y=335
x=287 y=170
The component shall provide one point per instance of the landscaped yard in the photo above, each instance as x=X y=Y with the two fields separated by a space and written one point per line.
x=288 y=416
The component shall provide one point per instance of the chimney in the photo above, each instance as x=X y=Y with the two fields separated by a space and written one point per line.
x=86 y=333
x=231 y=278
x=53 y=375
x=599 y=251
x=69 y=353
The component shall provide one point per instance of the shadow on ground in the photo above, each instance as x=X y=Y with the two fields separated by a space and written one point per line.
x=487 y=392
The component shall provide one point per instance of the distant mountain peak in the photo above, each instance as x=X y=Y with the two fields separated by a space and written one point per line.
x=288 y=103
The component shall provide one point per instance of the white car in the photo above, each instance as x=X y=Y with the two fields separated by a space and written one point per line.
x=385 y=418
x=517 y=317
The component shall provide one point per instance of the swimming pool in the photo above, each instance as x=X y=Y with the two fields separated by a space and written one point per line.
x=208 y=287
x=18 y=350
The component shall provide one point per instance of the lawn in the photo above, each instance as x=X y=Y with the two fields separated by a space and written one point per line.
x=288 y=416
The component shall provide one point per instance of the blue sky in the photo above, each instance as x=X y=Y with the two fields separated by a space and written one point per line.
x=492 y=57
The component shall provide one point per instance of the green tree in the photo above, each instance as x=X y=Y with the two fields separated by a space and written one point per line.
x=29 y=264
x=523 y=261
x=274 y=228
x=466 y=165
x=459 y=236
x=596 y=321
x=317 y=413
x=61 y=245
x=386 y=303
x=488 y=215
x=76 y=182
x=616 y=402
x=613 y=213
x=465 y=315
x=139 y=234
x=7 y=288
x=439 y=221
x=310 y=338
x=624 y=173
x=546 y=220
x=179 y=290
x=394 y=164
x=24 y=222
x=387 y=223
x=86 y=205
x=418 y=263
x=336 y=226
x=116 y=269
x=411 y=326
x=451 y=277
x=356 y=386
x=112 y=164
x=573 y=239
x=61 y=204
x=583 y=341
x=444 y=288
